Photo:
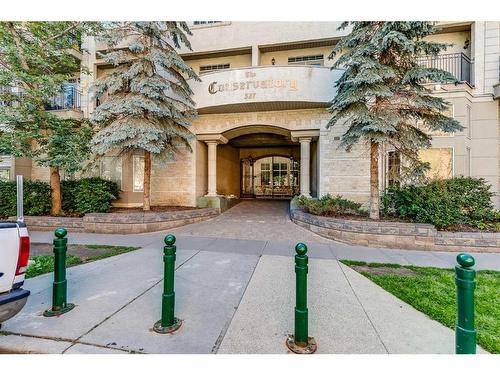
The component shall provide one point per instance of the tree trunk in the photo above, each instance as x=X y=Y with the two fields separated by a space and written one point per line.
x=147 y=181
x=55 y=186
x=374 y=189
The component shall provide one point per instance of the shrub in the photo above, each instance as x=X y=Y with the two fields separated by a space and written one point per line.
x=68 y=190
x=460 y=200
x=86 y=195
x=36 y=198
x=330 y=206
x=78 y=196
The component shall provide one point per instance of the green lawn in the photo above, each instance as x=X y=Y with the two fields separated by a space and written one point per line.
x=432 y=291
x=45 y=263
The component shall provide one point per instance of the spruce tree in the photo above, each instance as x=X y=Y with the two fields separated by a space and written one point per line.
x=146 y=100
x=36 y=61
x=382 y=95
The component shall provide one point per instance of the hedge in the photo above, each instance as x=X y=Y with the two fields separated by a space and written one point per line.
x=330 y=206
x=78 y=196
x=459 y=200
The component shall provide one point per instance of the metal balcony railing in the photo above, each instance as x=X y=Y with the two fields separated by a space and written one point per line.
x=70 y=98
x=458 y=64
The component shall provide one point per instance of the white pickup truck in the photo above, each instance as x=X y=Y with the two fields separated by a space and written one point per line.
x=14 y=254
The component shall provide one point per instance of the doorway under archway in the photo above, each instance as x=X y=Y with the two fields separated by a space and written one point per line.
x=273 y=176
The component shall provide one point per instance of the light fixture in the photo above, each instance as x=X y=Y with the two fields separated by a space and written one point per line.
x=273 y=61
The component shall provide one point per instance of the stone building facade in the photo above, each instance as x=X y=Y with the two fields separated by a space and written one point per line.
x=262 y=104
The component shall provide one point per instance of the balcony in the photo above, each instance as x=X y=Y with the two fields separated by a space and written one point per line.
x=458 y=64
x=70 y=98
x=265 y=88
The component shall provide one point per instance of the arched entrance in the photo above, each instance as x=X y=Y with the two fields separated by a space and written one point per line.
x=274 y=176
x=258 y=161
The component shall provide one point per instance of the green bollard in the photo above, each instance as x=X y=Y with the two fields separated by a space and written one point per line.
x=301 y=342
x=168 y=322
x=59 y=290
x=465 y=334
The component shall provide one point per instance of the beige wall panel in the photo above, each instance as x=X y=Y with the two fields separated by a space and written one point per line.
x=268 y=151
x=228 y=170
x=201 y=168
x=281 y=57
x=174 y=183
x=486 y=147
x=238 y=61
x=291 y=120
x=22 y=166
x=40 y=173
x=485 y=129
x=457 y=39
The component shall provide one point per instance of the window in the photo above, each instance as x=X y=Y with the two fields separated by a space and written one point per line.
x=440 y=160
x=4 y=174
x=5 y=166
x=393 y=168
x=111 y=169
x=197 y=23
x=211 y=68
x=306 y=60
x=280 y=174
x=138 y=173
x=265 y=174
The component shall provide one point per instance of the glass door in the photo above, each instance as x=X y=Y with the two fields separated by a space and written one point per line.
x=270 y=177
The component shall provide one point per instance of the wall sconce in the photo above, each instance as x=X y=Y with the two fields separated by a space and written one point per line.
x=273 y=61
x=466 y=44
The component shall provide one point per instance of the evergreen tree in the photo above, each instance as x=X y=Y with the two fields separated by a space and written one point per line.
x=382 y=96
x=146 y=100
x=35 y=63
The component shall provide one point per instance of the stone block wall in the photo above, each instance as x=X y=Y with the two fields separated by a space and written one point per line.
x=121 y=223
x=397 y=235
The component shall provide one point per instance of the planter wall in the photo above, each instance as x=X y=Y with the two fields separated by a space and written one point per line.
x=395 y=235
x=121 y=223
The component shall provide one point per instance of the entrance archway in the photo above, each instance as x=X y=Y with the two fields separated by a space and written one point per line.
x=273 y=176
x=259 y=161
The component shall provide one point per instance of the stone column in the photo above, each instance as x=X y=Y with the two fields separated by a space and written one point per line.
x=255 y=56
x=305 y=160
x=212 y=168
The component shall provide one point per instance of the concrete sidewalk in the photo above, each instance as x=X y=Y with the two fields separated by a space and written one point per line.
x=347 y=314
x=229 y=303
x=322 y=250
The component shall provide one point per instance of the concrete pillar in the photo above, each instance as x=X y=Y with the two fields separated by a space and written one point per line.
x=305 y=160
x=212 y=168
x=255 y=56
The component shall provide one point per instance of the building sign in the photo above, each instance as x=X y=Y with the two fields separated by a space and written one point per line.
x=251 y=85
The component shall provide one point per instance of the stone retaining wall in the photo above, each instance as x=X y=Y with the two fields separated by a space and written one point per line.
x=121 y=223
x=395 y=234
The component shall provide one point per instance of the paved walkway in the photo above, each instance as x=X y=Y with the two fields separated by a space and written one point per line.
x=263 y=227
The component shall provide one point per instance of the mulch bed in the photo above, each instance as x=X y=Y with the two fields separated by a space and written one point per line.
x=153 y=209
x=78 y=250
